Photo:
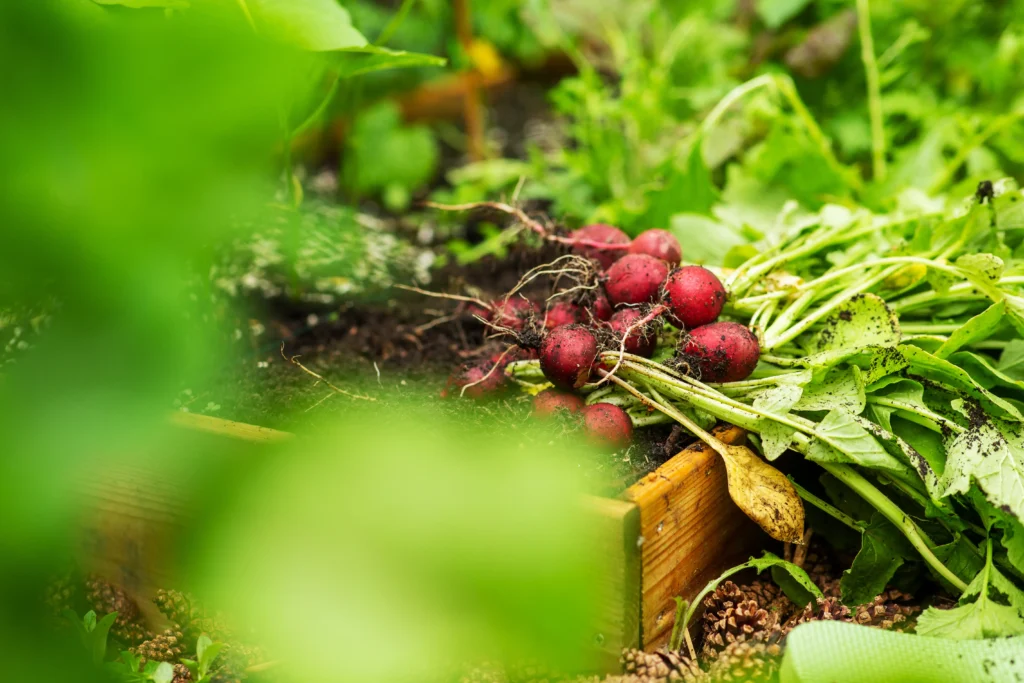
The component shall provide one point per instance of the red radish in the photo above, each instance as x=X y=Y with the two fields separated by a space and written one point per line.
x=722 y=352
x=642 y=340
x=635 y=279
x=602 y=309
x=513 y=312
x=694 y=296
x=599 y=232
x=567 y=354
x=562 y=313
x=469 y=374
x=547 y=403
x=607 y=425
x=659 y=244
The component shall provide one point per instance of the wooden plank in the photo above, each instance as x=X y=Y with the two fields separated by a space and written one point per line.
x=139 y=508
x=617 y=526
x=691 y=532
x=227 y=428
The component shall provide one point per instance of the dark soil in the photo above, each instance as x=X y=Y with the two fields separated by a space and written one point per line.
x=403 y=349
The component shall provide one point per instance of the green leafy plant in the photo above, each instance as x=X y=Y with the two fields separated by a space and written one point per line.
x=92 y=632
x=206 y=653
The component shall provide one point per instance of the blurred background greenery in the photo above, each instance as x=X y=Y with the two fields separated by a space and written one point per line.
x=190 y=183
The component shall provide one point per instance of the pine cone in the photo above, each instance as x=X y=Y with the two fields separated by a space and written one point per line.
x=770 y=598
x=104 y=598
x=60 y=595
x=746 y=661
x=169 y=646
x=818 y=565
x=662 y=665
x=825 y=609
x=887 y=612
x=181 y=674
x=742 y=622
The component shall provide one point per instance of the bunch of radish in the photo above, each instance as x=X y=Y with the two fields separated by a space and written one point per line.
x=626 y=292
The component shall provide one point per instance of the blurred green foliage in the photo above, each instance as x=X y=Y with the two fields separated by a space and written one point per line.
x=139 y=141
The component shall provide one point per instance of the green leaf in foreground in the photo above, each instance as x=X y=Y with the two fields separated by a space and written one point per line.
x=977 y=328
x=843 y=440
x=942 y=371
x=863 y=321
x=778 y=400
x=882 y=552
x=143 y=4
x=990 y=452
x=840 y=389
x=985 y=372
x=848 y=653
x=1011 y=362
x=316 y=25
x=978 y=614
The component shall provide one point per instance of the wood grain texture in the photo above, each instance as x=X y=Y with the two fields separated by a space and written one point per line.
x=616 y=524
x=138 y=509
x=691 y=532
x=227 y=428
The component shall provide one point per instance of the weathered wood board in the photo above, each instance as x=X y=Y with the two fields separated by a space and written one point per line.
x=666 y=536
x=691 y=530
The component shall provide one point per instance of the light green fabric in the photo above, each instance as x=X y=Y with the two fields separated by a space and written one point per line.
x=835 y=652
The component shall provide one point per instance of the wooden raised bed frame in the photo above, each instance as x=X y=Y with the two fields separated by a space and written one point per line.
x=666 y=536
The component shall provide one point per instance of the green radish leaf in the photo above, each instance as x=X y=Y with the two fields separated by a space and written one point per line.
x=990 y=452
x=775 y=438
x=978 y=614
x=708 y=239
x=779 y=399
x=839 y=389
x=863 y=321
x=960 y=558
x=923 y=440
x=900 y=449
x=989 y=266
x=938 y=370
x=882 y=551
x=1011 y=361
x=688 y=189
x=984 y=371
x=1013 y=541
x=881 y=363
x=853 y=444
x=314 y=25
x=940 y=280
x=980 y=327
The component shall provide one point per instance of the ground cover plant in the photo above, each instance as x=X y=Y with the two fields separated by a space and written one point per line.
x=795 y=217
